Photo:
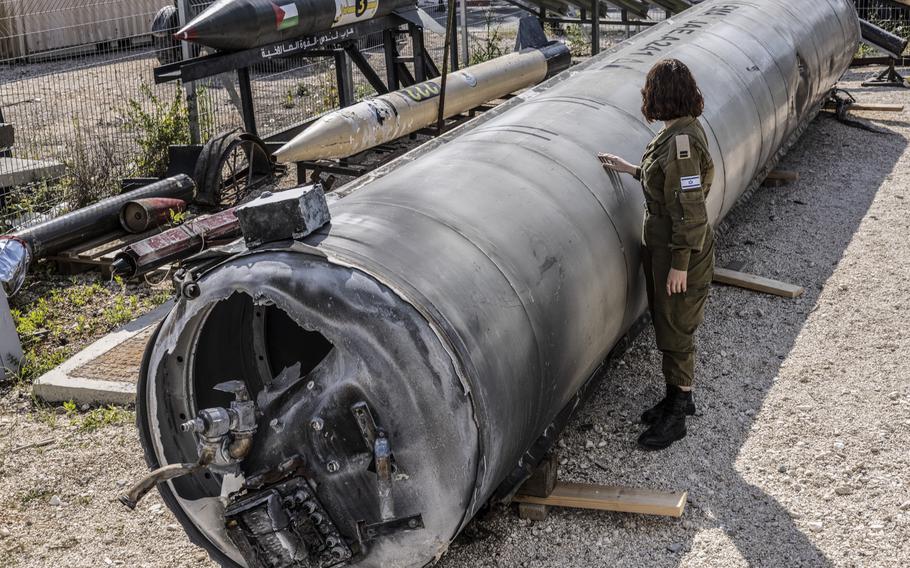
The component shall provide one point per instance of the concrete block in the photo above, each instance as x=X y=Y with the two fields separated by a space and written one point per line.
x=17 y=171
x=290 y=214
x=106 y=371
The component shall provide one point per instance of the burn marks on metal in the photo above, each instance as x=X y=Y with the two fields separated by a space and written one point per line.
x=285 y=526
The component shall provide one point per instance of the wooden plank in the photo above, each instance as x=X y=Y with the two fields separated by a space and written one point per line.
x=876 y=107
x=533 y=511
x=607 y=498
x=79 y=250
x=756 y=283
x=777 y=178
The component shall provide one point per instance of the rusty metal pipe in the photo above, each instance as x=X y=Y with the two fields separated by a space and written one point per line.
x=141 y=215
x=132 y=497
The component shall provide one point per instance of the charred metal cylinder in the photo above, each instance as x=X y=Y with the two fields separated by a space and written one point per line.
x=141 y=215
x=893 y=45
x=176 y=244
x=461 y=298
x=103 y=217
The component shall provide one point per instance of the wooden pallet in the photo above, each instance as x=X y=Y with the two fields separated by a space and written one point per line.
x=97 y=254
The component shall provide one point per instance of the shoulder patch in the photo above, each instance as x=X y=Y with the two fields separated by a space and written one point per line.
x=683 y=148
x=689 y=183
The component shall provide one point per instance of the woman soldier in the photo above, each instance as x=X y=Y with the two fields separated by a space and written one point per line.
x=678 y=242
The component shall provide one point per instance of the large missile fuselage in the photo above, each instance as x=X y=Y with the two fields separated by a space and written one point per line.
x=467 y=293
x=243 y=24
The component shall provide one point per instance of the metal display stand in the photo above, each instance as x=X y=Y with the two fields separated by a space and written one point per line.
x=339 y=43
x=545 y=16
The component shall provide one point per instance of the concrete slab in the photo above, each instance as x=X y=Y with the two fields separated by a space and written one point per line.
x=106 y=371
x=17 y=171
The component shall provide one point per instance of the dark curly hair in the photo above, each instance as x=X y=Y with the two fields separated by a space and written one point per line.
x=670 y=92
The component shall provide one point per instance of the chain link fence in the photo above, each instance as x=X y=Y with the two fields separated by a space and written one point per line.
x=76 y=81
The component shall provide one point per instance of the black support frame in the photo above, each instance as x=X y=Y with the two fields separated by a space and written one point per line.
x=339 y=43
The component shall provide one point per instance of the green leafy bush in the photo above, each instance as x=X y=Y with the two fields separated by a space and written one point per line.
x=165 y=124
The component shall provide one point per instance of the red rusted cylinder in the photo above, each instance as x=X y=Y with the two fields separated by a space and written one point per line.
x=141 y=215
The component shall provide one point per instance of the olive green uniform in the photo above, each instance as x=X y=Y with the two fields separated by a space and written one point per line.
x=676 y=174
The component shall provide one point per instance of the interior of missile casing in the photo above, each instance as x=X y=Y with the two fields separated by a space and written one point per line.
x=231 y=336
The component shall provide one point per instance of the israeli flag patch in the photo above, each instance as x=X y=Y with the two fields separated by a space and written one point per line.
x=690 y=183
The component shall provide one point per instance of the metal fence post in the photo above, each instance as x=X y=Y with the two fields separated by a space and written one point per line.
x=465 y=56
x=595 y=28
x=192 y=107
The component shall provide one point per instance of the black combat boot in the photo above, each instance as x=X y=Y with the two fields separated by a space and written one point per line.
x=671 y=426
x=651 y=415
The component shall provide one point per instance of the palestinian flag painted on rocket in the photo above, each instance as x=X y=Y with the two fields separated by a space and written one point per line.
x=286 y=15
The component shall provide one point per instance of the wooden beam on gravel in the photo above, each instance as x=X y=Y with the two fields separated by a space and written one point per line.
x=756 y=283
x=608 y=498
x=777 y=178
x=876 y=107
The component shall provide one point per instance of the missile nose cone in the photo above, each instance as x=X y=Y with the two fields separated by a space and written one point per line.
x=226 y=24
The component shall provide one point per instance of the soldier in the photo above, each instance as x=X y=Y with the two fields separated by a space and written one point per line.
x=678 y=242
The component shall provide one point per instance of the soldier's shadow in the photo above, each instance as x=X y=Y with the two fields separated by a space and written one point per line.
x=742 y=344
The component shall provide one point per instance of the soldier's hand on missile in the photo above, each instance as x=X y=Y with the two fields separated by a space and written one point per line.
x=676 y=282
x=613 y=162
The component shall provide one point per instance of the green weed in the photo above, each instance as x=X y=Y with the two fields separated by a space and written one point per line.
x=166 y=124
x=104 y=416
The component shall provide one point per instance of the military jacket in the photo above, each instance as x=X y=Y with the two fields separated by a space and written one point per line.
x=676 y=175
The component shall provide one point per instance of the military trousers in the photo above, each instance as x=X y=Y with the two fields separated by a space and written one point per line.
x=676 y=317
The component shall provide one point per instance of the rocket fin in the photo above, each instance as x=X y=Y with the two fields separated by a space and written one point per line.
x=530 y=34
x=420 y=18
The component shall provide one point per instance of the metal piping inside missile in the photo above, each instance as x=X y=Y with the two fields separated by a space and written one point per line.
x=244 y=24
x=378 y=120
x=463 y=295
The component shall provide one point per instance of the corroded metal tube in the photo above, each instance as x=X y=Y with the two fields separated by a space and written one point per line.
x=465 y=293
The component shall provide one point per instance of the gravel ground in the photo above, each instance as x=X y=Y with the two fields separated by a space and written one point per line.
x=797 y=459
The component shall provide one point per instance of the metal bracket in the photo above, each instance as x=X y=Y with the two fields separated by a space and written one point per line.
x=366 y=533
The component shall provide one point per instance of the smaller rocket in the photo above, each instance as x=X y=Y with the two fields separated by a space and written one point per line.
x=378 y=120
x=234 y=25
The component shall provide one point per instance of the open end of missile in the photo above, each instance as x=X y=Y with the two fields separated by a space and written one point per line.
x=349 y=384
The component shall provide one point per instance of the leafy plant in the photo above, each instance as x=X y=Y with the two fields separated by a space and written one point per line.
x=70 y=407
x=577 y=40
x=288 y=101
x=166 y=124
x=105 y=416
x=363 y=91
x=489 y=46
x=175 y=218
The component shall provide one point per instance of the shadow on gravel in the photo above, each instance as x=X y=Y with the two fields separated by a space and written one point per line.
x=796 y=233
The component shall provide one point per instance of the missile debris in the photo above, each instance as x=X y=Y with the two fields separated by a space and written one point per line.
x=290 y=214
x=176 y=244
x=141 y=215
x=414 y=358
x=243 y=24
x=52 y=236
x=880 y=38
x=378 y=120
